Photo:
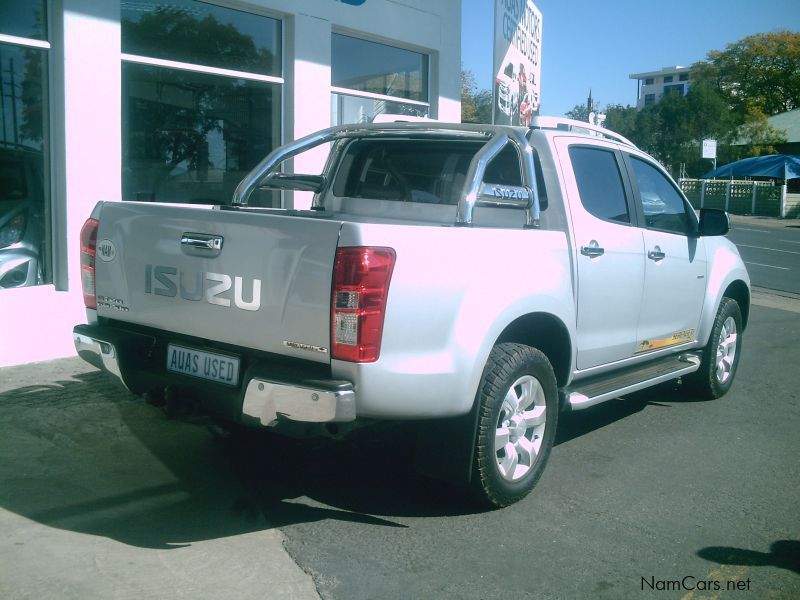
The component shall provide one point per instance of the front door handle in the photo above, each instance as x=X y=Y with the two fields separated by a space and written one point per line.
x=593 y=250
x=656 y=254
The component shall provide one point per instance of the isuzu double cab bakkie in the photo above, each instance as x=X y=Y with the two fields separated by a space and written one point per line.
x=476 y=279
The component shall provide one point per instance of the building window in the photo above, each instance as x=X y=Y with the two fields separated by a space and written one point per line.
x=201 y=100
x=677 y=88
x=649 y=99
x=368 y=79
x=683 y=77
x=649 y=81
x=668 y=79
x=25 y=211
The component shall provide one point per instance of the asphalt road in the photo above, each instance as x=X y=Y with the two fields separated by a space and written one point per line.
x=771 y=250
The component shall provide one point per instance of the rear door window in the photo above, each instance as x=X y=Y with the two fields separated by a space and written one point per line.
x=600 y=183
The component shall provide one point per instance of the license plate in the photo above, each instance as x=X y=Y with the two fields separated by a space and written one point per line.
x=206 y=365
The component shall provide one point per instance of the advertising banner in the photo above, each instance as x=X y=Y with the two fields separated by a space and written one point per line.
x=517 y=61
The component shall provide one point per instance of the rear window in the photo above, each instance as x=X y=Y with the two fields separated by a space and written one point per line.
x=427 y=171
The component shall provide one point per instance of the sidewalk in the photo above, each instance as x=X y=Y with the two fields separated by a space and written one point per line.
x=753 y=221
x=102 y=496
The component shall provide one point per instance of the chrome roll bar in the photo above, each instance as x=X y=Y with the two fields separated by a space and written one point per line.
x=477 y=167
x=498 y=138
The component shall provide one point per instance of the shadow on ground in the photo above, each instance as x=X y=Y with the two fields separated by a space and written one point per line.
x=83 y=455
x=784 y=554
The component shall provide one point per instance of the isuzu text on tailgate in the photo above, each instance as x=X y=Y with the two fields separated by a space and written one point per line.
x=477 y=280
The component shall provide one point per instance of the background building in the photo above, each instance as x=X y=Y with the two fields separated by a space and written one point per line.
x=174 y=101
x=653 y=85
x=790 y=123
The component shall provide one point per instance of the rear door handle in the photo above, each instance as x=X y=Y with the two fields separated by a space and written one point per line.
x=656 y=254
x=593 y=250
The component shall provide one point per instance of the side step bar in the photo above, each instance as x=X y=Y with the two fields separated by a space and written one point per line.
x=588 y=392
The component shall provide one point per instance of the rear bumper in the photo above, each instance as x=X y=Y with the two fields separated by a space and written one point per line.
x=267 y=392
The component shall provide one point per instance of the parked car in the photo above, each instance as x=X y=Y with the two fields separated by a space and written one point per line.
x=22 y=216
x=476 y=280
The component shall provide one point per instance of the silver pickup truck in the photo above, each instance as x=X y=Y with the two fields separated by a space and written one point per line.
x=475 y=279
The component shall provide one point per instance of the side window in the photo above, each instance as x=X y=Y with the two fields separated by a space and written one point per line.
x=600 y=183
x=662 y=205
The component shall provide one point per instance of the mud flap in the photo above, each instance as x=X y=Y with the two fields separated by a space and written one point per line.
x=445 y=448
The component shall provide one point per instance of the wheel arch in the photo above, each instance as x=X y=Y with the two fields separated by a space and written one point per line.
x=549 y=334
x=738 y=290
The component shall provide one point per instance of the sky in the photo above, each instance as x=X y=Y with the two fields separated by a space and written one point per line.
x=596 y=44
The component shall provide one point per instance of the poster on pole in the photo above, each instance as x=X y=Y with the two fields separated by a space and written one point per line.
x=709 y=148
x=517 y=62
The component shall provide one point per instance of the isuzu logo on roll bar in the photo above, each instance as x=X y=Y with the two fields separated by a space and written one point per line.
x=167 y=281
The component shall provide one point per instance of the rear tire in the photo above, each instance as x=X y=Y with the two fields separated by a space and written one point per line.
x=720 y=358
x=517 y=417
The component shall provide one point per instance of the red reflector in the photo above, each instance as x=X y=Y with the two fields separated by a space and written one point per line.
x=88 y=249
x=361 y=279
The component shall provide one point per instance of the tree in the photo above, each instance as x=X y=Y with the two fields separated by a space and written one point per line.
x=476 y=105
x=756 y=137
x=621 y=119
x=760 y=72
x=579 y=112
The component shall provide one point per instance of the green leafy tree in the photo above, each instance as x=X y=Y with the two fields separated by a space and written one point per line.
x=579 y=112
x=760 y=72
x=621 y=119
x=476 y=104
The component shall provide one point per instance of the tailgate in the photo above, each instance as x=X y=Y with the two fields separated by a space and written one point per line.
x=267 y=286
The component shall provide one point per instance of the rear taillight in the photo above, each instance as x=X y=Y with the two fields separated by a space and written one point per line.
x=361 y=279
x=88 y=250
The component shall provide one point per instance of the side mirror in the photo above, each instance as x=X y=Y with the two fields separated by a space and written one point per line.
x=713 y=222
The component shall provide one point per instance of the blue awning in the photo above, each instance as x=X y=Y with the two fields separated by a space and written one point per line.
x=777 y=166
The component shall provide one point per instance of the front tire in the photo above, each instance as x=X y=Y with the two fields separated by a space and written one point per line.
x=720 y=357
x=518 y=413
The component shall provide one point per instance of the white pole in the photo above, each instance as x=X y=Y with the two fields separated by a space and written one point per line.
x=728 y=193
x=783 y=199
x=755 y=193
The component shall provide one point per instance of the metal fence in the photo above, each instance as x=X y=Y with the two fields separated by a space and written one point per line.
x=762 y=198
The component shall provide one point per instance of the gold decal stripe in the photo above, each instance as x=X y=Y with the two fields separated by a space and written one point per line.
x=679 y=337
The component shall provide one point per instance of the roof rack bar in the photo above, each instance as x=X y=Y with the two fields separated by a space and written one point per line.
x=571 y=124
